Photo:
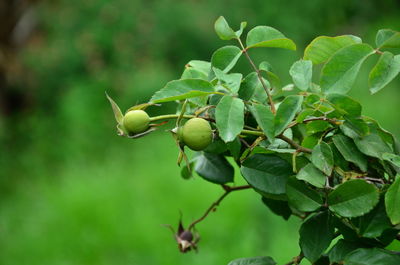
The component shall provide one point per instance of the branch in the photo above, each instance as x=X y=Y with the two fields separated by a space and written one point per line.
x=177 y=116
x=171 y=116
x=334 y=122
x=271 y=102
x=381 y=181
x=212 y=207
x=248 y=132
x=296 y=260
x=331 y=121
x=294 y=144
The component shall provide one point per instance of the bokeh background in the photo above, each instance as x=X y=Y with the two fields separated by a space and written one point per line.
x=72 y=191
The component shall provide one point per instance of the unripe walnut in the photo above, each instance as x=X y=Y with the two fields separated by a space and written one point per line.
x=136 y=121
x=196 y=134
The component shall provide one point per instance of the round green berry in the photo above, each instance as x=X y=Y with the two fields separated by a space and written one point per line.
x=136 y=121
x=196 y=134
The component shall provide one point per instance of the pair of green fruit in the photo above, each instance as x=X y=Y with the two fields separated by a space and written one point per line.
x=196 y=133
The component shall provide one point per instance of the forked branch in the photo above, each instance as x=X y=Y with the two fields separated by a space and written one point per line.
x=228 y=189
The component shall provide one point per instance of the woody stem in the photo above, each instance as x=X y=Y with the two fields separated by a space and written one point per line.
x=271 y=102
x=228 y=189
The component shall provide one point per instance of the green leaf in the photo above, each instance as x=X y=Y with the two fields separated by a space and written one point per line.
x=202 y=66
x=278 y=145
x=226 y=57
x=338 y=158
x=339 y=251
x=353 y=198
x=312 y=99
x=323 y=47
x=345 y=229
x=302 y=197
x=240 y=31
x=387 y=38
x=117 y=111
x=214 y=168
x=234 y=148
x=253 y=261
x=322 y=158
x=386 y=136
x=265 y=119
x=192 y=73
x=374 y=223
x=392 y=158
x=264 y=36
x=388 y=236
x=196 y=69
x=340 y=72
x=354 y=128
x=249 y=85
x=301 y=73
x=231 y=81
x=266 y=173
x=312 y=175
x=288 y=87
x=310 y=141
x=286 y=112
x=223 y=29
x=278 y=207
x=349 y=151
x=187 y=171
x=323 y=260
x=142 y=106
x=372 y=145
x=304 y=114
x=316 y=234
x=345 y=105
x=385 y=70
x=229 y=115
x=371 y=256
x=183 y=89
x=392 y=201
x=270 y=75
x=317 y=126
x=217 y=146
x=252 y=89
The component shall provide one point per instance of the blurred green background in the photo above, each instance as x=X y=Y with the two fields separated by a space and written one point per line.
x=72 y=192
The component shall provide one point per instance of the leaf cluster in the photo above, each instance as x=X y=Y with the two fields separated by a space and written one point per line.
x=305 y=147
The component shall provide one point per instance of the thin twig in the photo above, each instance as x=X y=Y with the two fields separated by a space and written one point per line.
x=228 y=189
x=271 y=102
x=252 y=146
x=373 y=179
x=294 y=144
x=331 y=121
x=294 y=161
x=243 y=141
x=248 y=132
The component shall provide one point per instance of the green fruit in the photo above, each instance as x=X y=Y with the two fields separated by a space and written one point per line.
x=136 y=121
x=196 y=134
